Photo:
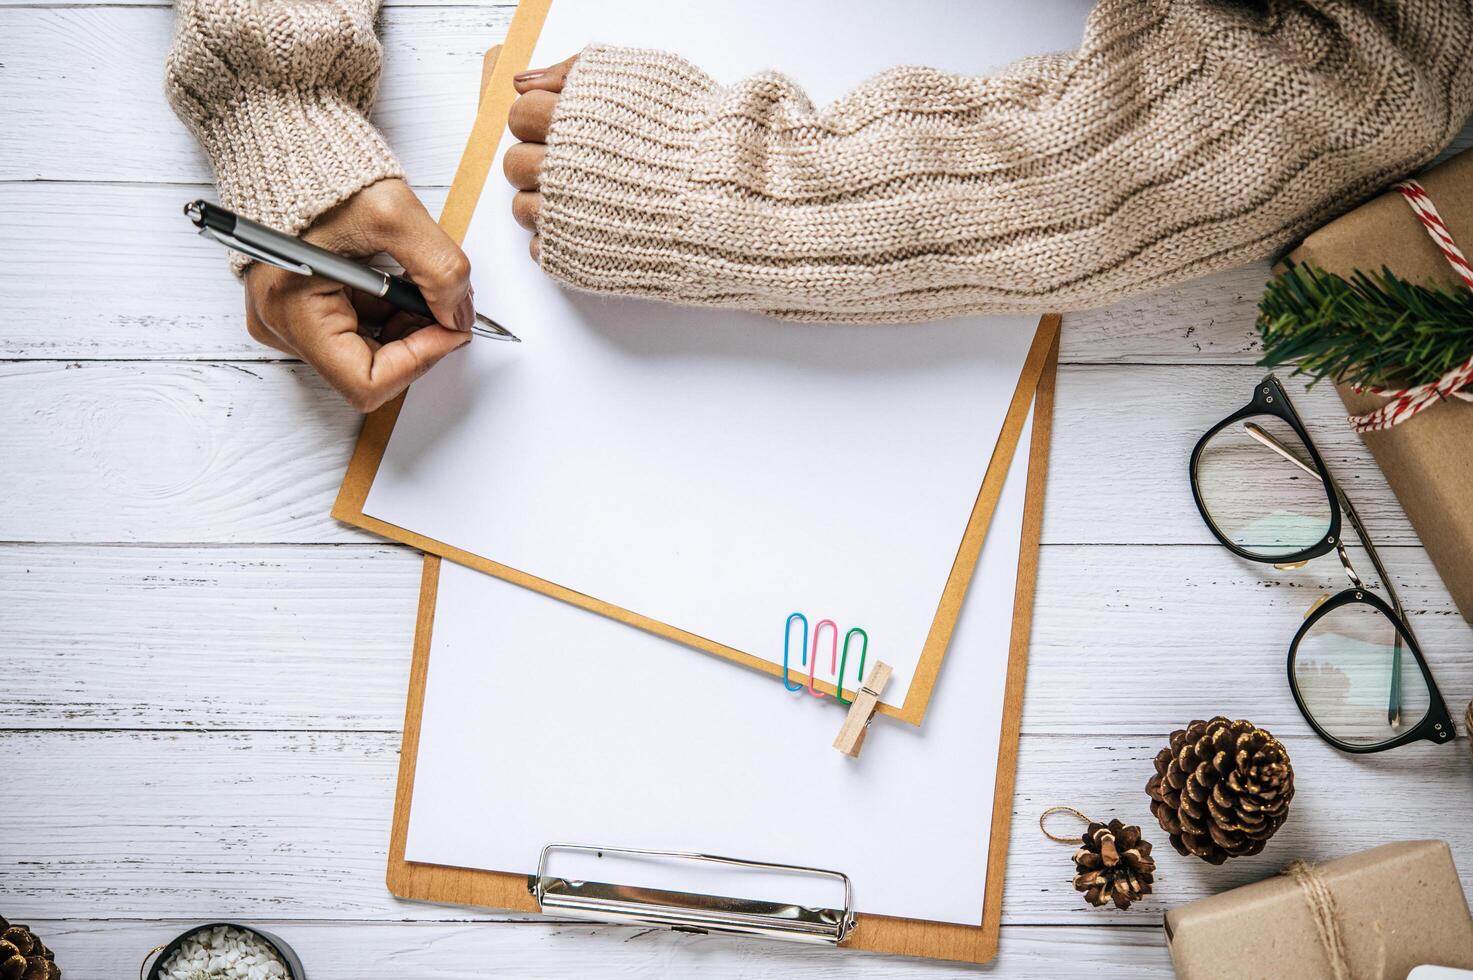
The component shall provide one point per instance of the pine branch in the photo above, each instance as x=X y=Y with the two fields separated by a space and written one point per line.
x=1369 y=329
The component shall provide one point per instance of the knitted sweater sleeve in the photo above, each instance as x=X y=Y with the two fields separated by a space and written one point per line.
x=277 y=92
x=1183 y=136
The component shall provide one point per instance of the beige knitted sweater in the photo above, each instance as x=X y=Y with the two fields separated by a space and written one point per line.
x=1183 y=136
x=278 y=92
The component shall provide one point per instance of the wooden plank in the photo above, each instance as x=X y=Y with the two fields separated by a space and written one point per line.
x=1105 y=777
x=54 y=62
x=252 y=453
x=267 y=637
x=181 y=453
x=293 y=825
x=1125 y=434
x=454 y=951
x=1131 y=639
x=194 y=311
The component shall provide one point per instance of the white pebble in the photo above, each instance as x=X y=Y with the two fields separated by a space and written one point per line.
x=224 y=953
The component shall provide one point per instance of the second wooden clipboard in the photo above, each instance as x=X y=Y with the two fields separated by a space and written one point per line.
x=497 y=96
x=880 y=934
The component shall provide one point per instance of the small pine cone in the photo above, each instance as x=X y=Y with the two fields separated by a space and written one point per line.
x=23 y=956
x=1221 y=789
x=20 y=937
x=12 y=963
x=1114 y=865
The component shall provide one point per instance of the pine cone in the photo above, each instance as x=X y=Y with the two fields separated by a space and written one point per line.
x=23 y=956
x=1221 y=789
x=1113 y=865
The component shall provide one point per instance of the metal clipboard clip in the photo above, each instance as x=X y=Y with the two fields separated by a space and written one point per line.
x=688 y=912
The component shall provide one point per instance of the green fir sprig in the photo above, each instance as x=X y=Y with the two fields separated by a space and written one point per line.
x=1371 y=329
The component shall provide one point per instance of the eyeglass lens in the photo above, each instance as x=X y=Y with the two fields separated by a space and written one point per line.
x=1357 y=677
x=1259 y=500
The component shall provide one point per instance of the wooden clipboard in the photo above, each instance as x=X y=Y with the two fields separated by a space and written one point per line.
x=880 y=934
x=497 y=95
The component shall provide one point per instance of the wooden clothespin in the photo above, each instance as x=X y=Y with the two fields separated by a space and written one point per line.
x=862 y=711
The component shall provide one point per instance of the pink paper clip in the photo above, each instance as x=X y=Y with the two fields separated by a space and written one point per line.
x=834 y=652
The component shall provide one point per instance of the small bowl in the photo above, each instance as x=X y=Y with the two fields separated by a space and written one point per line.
x=287 y=954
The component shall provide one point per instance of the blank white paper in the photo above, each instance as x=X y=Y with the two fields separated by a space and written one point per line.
x=544 y=722
x=716 y=471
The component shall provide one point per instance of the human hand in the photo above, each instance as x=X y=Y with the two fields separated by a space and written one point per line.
x=530 y=117
x=332 y=327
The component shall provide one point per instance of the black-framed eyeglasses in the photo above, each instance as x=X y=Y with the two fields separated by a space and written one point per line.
x=1266 y=494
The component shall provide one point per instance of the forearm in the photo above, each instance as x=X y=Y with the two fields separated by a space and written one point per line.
x=1180 y=139
x=277 y=92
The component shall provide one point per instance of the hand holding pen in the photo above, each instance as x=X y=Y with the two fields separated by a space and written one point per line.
x=350 y=322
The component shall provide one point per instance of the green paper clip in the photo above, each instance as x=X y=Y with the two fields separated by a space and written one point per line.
x=844 y=661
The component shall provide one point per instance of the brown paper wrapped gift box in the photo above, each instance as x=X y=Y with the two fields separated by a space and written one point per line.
x=1397 y=906
x=1428 y=460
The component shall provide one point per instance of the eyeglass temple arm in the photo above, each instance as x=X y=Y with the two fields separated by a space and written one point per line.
x=1259 y=434
x=1393 y=706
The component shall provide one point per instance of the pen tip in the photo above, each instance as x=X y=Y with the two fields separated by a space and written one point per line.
x=494 y=329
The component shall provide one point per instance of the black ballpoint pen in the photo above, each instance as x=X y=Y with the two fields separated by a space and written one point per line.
x=285 y=252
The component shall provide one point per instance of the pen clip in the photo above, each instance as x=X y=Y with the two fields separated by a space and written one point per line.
x=230 y=241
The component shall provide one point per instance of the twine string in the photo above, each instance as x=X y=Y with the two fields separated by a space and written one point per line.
x=1062 y=809
x=1326 y=919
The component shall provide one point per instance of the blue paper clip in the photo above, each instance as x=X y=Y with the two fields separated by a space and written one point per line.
x=787 y=643
x=844 y=663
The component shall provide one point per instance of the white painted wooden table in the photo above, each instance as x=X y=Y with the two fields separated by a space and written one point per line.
x=202 y=675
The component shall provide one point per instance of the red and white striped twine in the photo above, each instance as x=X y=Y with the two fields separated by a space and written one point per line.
x=1416 y=195
x=1407 y=402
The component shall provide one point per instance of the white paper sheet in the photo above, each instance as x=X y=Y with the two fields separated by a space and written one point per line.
x=717 y=471
x=544 y=722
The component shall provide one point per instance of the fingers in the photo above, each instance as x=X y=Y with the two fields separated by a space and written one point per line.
x=531 y=116
x=386 y=216
x=324 y=327
x=434 y=262
x=399 y=326
x=544 y=79
x=529 y=121
x=265 y=337
x=525 y=208
x=373 y=309
x=260 y=331
x=319 y=321
x=376 y=375
x=523 y=165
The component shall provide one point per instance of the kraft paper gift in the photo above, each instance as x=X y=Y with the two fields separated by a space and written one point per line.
x=1382 y=912
x=1427 y=459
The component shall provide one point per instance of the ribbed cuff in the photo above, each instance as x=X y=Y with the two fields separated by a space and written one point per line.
x=617 y=179
x=284 y=155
